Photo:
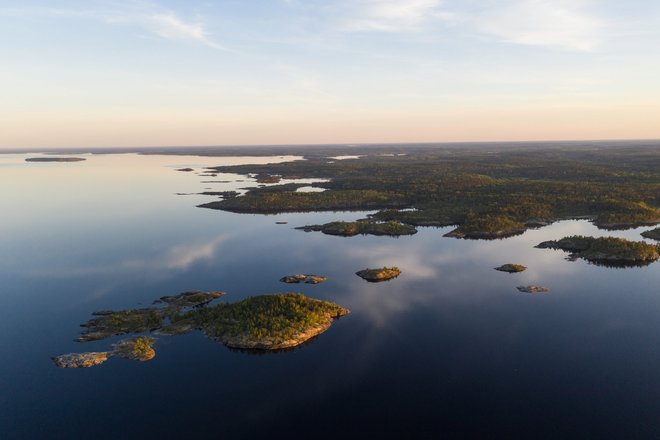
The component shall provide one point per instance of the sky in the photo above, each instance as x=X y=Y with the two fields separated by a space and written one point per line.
x=103 y=73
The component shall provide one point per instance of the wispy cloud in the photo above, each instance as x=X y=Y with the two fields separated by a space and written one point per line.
x=169 y=26
x=565 y=24
x=165 y=24
x=393 y=15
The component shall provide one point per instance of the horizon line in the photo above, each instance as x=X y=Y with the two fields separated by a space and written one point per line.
x=338 y=144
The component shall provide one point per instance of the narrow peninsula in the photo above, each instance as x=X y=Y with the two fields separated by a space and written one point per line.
x=653 y=234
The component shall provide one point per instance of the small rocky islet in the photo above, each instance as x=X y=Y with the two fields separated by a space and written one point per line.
x=511 y=268
x=364 y=227
x=532 y=289
x=303 y=278
x=379 y=275
x=607 y=251
x=266 y=322
x=137 y=349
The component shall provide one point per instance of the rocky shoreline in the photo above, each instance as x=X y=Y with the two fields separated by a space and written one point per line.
x=137 y=349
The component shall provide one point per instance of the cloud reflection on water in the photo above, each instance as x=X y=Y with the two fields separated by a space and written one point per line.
x=179 y=257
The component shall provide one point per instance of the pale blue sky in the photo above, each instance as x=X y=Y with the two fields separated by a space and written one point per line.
x=104 y=73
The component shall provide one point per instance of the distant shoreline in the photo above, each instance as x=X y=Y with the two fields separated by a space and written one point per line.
x=261 y=150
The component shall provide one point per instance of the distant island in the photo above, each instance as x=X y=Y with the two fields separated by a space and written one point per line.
x=606 y=250
x=266 y=322
x=55 y=159
x=484 y=193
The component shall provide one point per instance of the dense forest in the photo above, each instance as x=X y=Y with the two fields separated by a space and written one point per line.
x=485 y=189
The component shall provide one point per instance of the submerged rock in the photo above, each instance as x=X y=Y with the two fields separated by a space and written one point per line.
x=378 y=275
x=303 y=278
x=532 y=289
x=511 y=268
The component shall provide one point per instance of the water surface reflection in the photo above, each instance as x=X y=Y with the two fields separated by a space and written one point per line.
x=450 y=347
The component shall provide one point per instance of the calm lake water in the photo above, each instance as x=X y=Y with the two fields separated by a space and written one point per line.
x=449 y=349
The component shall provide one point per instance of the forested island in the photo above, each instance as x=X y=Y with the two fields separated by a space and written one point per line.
x=350 y=229
x=489 y=192
x=265 y=322
x=606 y=250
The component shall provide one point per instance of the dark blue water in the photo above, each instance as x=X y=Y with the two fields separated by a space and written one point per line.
x=450 y=349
